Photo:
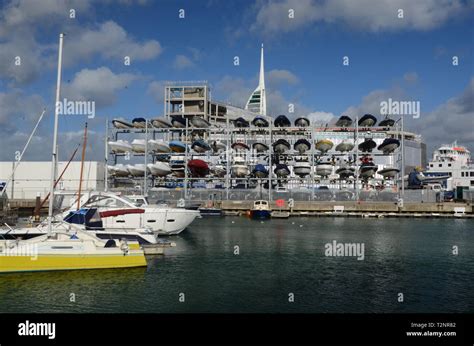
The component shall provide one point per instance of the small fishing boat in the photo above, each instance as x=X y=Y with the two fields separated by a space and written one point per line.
x=282 y=121
x=302 y=145
x=200 y=146
x=260 y=121
x=119 y=146
x=119 y=170
x=344 y=146
x=218 y=146
x=178 y=121
x=389 y=145
x=200 y=122
x=239 y=167
x=302 y=167
x=302 y=122
x=281 y=146
x=324 y=169
x=260 y=171
x=137 y=170
x=159 y=169
x=344 y=121
x=158 y=146
x=261 y=210
x=139 y=123
x=177 y=146
x=387 y=122
x=161 y=123
x=138 y=146
x=122 y=124
x=239 y=146
x=389 y=172
x=324 y=145
x=282 y=170
x=260 y=147
x=367 y=120
x=241 y=122
x=345 y=172
x=198 y=168
x=367 y=146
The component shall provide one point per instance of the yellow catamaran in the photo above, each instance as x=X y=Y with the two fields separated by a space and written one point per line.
x=65 y=246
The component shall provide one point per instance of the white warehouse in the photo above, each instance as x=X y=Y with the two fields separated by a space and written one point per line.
x=33 y=177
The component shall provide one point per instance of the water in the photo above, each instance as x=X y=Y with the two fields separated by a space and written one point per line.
x=277 y=257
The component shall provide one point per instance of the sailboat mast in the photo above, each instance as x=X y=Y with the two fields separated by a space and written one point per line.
x=84 y=144
x=54 y=160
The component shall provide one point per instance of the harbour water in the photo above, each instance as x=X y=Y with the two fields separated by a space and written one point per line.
x=276 y=258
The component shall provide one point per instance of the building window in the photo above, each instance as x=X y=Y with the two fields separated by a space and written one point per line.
x=449 y=165
x=472 y=182
x=440 y=165
x=462 y=174
x=431 y=165
x=472 y=174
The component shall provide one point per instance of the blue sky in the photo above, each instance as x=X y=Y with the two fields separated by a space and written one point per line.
x=407 y=58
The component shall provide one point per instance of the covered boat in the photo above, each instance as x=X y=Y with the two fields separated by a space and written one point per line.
x=345 y=172
x=260 y=171
x=302 y=122
x=367 y=120
x=200 y=146
x=177 y=166
x=302 y=145
x=138 y=146
x=281 y=146
x=240 y=146
x=159 y=169
x=302 y=167
x=121 y=124
x=200 y=122
x=324 y=145
x=119 y=146
x=139 y=123
x=389 y=172
x=282 y=121
x=367 y=169
x=241 y=122
x=387 y=122
x=260 y=147
x=367 y=146
x=158 y=146
x=162 y=123
x=198 y=168
x=324 y=169
x=177 y=146
x=119 y=170
x=260 y=121
x=281 y=170
x=178 y=121
x=239 y=167
x=218 y=146
x=389 y=145
x=137 y=170
x=344 y=121
x=219 y=170
x=344 y=146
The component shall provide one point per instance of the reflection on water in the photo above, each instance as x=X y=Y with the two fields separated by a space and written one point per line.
x=276 y=257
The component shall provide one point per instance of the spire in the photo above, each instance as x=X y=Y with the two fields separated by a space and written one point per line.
x=257 y=102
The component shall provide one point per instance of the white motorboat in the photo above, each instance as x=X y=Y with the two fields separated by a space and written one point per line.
x=158 y=146
x=119 y=170
x=120 y=146
x=389 y=172
x=324 y=169
x=161 y=123
x=138 y=146
x=137 y=170
x=120 y=212
x=200 y=122
x=324 y=145
x=239 y=167
x=122 y=124
x=159 y=169
x=302 y=167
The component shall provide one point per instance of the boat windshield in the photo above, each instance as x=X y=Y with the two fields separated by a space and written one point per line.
x=101 y=201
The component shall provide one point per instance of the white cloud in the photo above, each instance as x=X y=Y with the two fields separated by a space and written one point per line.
x=368 y=15
x=182 y=62
x=18 y=109
x=100 y=85
x=156 y=89
x=275 y=78
x=321 y=118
